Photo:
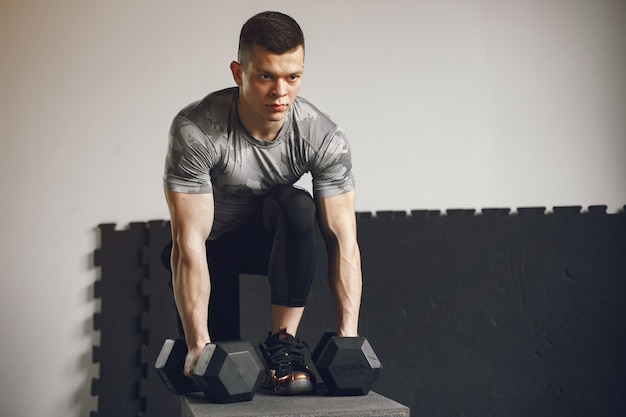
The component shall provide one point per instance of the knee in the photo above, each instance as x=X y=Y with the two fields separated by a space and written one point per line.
x=297 y=208
x=301 y=203
x=300 y=210
x=166 y=256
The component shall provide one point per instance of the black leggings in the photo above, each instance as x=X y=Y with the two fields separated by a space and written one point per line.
x=279 y=240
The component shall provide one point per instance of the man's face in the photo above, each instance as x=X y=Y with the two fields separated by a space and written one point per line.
x=268 y=86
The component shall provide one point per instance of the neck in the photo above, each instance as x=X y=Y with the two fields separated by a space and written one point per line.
x=259 y=128
x=268 y=133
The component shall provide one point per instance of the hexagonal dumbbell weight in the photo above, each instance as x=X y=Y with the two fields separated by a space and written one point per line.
x=226 y=371
x=347 y=365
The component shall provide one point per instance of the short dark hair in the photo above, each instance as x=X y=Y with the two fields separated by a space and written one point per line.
x=274 y=31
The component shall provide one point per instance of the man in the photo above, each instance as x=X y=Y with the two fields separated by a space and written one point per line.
x=232 y=161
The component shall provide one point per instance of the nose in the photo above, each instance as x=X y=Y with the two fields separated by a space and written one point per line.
x=280 y=88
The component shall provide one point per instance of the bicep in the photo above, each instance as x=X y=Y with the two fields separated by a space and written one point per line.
x=191 y=217
x=337 y=217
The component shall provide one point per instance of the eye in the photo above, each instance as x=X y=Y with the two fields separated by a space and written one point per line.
x=266 y=77
x=294 y=77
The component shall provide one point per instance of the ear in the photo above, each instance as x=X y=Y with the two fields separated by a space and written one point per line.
x=235 y=69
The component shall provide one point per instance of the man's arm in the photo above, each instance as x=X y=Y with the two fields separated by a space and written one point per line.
x=191 y=219
x=338 y=225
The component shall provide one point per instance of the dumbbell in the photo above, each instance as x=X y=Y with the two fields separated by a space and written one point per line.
x=346 y=365
x=226 y=372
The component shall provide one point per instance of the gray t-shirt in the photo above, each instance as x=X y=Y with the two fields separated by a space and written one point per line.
x=210 y=151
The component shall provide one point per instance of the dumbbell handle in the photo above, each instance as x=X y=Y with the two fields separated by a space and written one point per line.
x=169 y=366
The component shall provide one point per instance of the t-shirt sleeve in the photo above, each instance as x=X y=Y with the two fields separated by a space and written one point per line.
x=189 y=159
x=332 y=170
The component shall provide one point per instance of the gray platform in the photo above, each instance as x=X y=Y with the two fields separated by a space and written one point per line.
x=265 y=404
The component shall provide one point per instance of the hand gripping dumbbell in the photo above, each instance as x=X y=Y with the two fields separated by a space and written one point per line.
x=346 y=365
x=226 y=372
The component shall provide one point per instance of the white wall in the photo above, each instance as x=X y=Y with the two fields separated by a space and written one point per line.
x=449 y=104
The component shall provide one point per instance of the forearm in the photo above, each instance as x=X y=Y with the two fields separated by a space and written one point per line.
x=346 y=286
x=338 y=225
x=192 y=218
x=192 y=288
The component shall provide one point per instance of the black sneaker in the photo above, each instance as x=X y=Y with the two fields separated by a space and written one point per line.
x=285 y=369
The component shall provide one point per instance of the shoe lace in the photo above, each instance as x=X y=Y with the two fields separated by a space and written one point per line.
x=286 y=356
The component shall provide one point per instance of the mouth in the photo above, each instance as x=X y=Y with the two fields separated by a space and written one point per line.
x=277 y=107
